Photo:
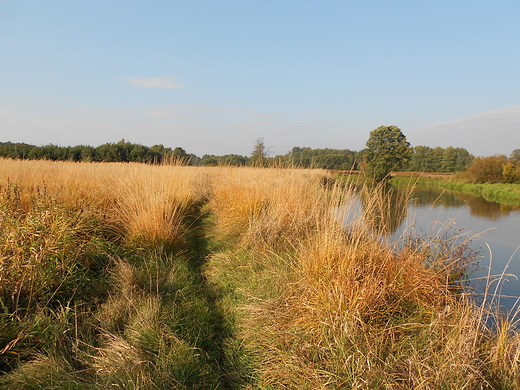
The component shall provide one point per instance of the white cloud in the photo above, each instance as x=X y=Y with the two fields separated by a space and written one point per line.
x=154 y=82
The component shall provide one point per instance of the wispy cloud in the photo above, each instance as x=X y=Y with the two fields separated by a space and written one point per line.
x=504 y=116
x=154 y=82
x=484 y=133
x=78 y=111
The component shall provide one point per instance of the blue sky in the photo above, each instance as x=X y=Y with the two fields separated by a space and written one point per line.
x=213 y=76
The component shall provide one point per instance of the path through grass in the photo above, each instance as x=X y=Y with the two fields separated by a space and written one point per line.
x=140 y=277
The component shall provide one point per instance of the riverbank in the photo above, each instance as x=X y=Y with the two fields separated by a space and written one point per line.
x=228 y=278
x=495 y=192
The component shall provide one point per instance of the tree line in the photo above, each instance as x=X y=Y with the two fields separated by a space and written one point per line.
x=422 y=158
x=388 y=150
x=416 y=159
x=110 y=152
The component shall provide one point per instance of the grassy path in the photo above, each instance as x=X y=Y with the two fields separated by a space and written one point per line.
x=159 y=325
x=215 y=323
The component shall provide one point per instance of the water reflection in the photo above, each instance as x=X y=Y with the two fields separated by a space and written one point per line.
x=384 y=208
x=478 y=206
x=423 y=197
x=489 y=227
x=492 y=227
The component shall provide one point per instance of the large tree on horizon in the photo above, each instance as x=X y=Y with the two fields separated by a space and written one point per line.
x=386 y=150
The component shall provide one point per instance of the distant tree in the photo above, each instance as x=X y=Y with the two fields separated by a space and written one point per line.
x=515 y=157
x=155 y=153
x=121 y=151
x=194 y=160
x=327 y=158
x=74 y=153
x=419 y=159
x=138 y=153
x=259 y=154
x=158 y=148
x=449 y=160
x=180 y=156
x=435 y=159
x=111 y=152
x=15 y=150
x=88 y=153
x=209 y=160
x=233 y=159
x=510 y=173
x=464 y=158
x=426 y=159
x=387 y=150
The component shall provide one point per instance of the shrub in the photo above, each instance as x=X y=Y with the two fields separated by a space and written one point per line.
x=486 y=169
x=511 y=173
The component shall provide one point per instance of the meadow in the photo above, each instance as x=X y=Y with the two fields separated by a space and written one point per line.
x=135 y=276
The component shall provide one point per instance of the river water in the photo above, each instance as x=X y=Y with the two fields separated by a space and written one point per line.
x=492 y=229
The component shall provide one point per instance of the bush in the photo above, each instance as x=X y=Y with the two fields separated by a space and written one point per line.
x=486 y=169
x=511 y=173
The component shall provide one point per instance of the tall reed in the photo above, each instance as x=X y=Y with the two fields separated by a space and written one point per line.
x=136 y=201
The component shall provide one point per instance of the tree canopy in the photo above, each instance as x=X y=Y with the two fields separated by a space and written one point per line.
x=449 y=160
x=386 y=150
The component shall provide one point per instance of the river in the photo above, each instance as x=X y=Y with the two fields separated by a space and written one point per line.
x=493 y=229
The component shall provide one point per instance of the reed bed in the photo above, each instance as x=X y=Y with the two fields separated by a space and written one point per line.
x=138 y=276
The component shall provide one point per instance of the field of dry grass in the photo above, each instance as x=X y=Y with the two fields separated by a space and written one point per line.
x=148 y=277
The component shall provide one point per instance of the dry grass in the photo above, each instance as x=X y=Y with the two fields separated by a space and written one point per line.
x=321 y=299
x=47 y=250
x=137 y=201
x=332 y=308
x=150 y=203
x=267 y=206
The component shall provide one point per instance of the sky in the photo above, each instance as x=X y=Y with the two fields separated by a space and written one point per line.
x=214 y=76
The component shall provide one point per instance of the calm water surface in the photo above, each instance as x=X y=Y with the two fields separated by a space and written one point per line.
x=494 y=230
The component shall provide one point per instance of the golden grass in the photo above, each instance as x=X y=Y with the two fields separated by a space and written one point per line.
x=321 y=303
x=45 y=248
x=346 y=309
x=266 y=206
x=139 y=202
